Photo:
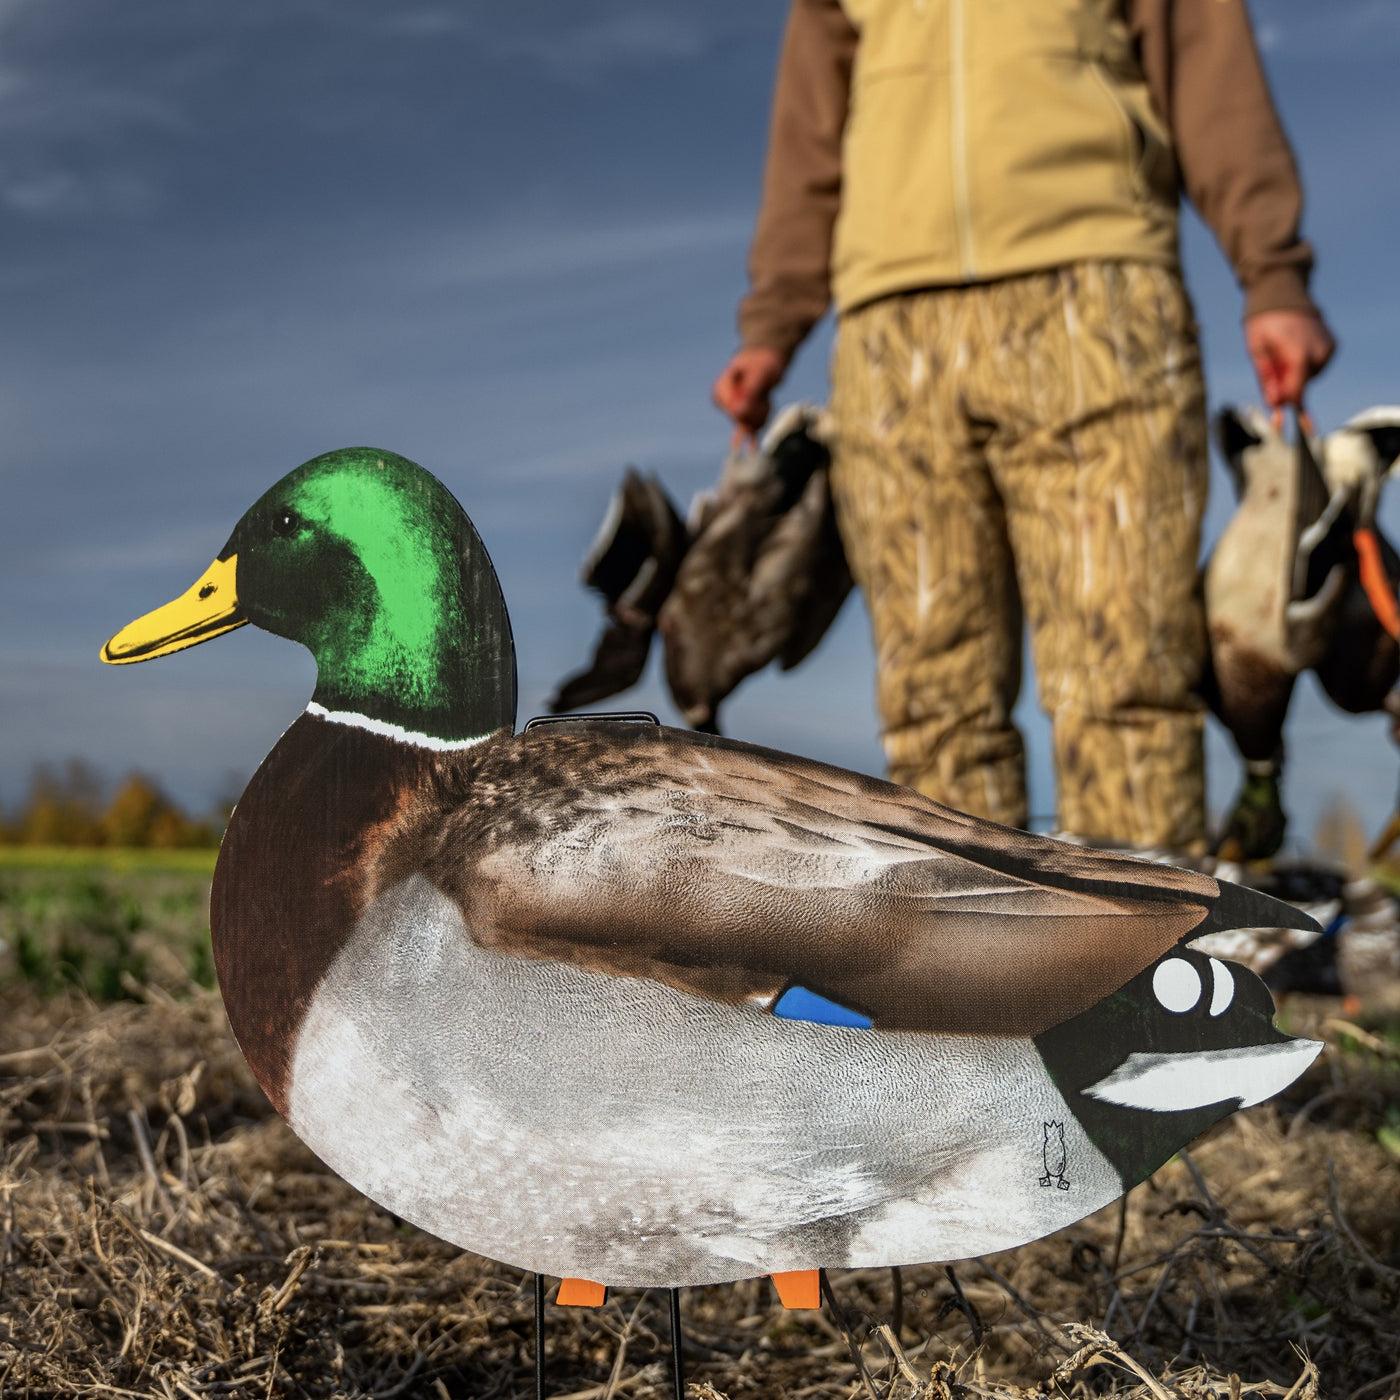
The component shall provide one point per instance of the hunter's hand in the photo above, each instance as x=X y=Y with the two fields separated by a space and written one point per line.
x=745 y=384
x=1288 y=348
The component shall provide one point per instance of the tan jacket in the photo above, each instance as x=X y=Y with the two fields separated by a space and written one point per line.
x=920 y=143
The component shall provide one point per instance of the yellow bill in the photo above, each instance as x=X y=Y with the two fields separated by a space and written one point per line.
x=203 y=611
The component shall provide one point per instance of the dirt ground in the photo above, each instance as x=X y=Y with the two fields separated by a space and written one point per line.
x=162 y=1233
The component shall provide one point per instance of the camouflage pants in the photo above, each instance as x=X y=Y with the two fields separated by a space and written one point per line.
x=1036 y=442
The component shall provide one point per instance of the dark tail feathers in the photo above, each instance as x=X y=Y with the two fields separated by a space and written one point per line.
x=1238 y=907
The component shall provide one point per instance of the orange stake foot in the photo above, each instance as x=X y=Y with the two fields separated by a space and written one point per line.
x=799 y=1288
x=579 y=1293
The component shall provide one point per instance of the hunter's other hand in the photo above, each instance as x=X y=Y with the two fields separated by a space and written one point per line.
x=1288 y=348
x=745 y=384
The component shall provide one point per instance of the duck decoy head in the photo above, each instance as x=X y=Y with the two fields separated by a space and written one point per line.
x=1203 y=1045
x=1360 y=455
x=1381 y=426
x=369 y=562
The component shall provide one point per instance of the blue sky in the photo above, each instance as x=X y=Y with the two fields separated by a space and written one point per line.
x=505 y=241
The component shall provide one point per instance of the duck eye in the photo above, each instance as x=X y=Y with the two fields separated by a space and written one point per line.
x=1176 y=985
x=1222 y=988
x=286 y=523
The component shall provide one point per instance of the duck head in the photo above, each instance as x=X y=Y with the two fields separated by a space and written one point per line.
x=1238 y=431
x=370 y=563
x=1359 y=456
x=1202 y=1043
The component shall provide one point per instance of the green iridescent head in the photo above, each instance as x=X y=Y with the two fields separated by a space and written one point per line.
x=370 y=563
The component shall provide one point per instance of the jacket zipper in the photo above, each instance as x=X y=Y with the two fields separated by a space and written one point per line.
x=962 y=198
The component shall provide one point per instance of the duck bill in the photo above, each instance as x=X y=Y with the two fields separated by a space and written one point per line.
x=204 y=610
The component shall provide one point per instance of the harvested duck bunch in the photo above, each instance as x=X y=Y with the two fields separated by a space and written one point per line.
x=756 y=575
x=1300 y=578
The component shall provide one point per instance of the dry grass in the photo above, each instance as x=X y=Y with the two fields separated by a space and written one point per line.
x=162 y=1233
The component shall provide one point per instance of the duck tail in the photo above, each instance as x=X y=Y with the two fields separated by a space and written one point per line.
x=1240 y=907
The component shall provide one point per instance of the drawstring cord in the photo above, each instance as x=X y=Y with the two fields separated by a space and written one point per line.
x=1375 y=582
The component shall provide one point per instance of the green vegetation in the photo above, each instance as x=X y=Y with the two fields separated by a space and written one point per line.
x=190 y=861
x=1388 y=1134
x=105 y=894
x=105 y=923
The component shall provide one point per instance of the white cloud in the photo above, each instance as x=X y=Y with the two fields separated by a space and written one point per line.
x=10 y=9
x=631 y=35
x=539 y=251
x=57 y=193
x=165 y=547
x=92 y=96
x=49 y=100
x=69 y=134
x=1359 y=27
x=570 y=41
x=1372 y=18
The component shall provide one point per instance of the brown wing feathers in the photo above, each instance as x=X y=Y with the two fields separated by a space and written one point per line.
x=733 y=872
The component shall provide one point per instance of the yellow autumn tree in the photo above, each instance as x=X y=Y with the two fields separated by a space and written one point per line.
x=65 y=808
x=62 y=809
x=140 y=814
x=133 y=812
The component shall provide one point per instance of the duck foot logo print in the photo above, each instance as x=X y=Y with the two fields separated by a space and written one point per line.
x=1053 y=1152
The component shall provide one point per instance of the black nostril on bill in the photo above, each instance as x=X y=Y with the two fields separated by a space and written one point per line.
x=208 y=589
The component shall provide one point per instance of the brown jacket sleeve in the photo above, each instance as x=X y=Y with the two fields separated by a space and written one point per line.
x=791 y=253
x=1204 y=71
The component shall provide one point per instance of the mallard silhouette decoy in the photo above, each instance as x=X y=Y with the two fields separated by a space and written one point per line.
x=1300 y=578
x=1361 y=664
x=644 y=1007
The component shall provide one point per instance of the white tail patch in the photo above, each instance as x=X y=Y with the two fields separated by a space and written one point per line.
x=1171 y=1082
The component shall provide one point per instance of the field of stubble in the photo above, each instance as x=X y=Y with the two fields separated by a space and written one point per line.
x=163 y=1234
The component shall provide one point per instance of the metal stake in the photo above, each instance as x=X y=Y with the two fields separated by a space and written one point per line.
x=851 y=1342
x=539 y=1337
x=677 y=1360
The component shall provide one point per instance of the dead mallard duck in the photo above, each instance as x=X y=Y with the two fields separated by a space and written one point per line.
x=1299 y=579
x=756 y=575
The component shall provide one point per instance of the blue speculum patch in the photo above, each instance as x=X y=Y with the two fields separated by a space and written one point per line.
x=798 y=1004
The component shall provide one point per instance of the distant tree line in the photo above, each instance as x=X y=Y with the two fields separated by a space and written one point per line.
x=71 y=807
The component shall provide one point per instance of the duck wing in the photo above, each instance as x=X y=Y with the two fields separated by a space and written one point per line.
x=632 y=564
x=737 y=873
